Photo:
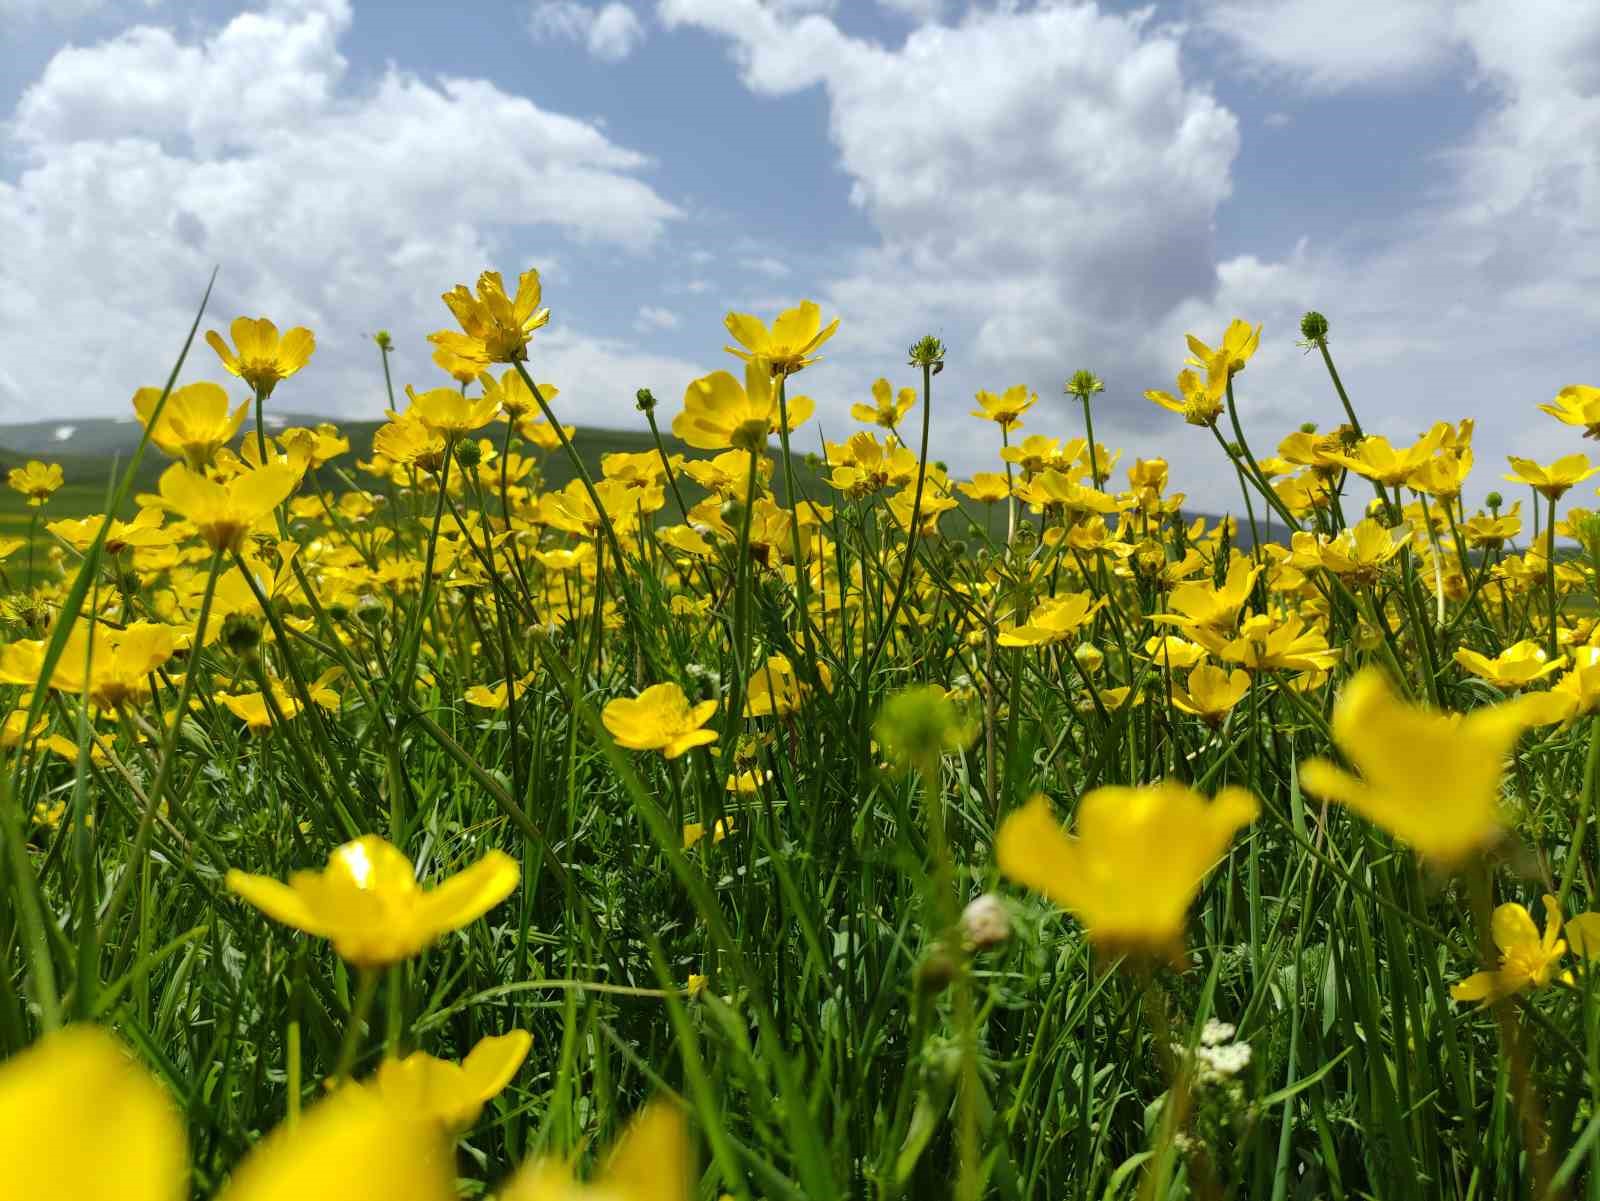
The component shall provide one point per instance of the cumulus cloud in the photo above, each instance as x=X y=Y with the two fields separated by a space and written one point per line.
x=653 y=317
x=145 y=161
x=610 y=32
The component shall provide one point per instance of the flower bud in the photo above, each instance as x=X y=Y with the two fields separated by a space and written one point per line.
x=644 y=400
x=468 y=453
x=241 y=634
x=985 y=922
x=927 y=351
x=1084 y=384
x=1314 y=328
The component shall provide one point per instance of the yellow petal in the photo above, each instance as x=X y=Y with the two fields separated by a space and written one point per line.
x=1032 y=849
x=651 y=1159
x=277 y=900
x=1583 y=935
x=469 y=894
x=80 y=1120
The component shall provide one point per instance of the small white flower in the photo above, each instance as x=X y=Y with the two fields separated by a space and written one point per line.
x=1215 y=1032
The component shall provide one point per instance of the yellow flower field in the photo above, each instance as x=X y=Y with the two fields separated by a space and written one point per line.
x=381 y=822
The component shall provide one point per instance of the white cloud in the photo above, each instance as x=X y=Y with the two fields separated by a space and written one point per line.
x=144 y=163
x=610 y=33
x=59 y=11
x=653 y=317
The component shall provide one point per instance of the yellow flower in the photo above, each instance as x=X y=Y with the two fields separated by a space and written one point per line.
x=1376 y=459
x=659 y=719
x=497 y=696
x=693 y=832
x=349 y=1146
x=36 y=481
x=986 y=486
x=80 y=1120
x=888 y=409
x=1431 y=779
x=448 y=412
x=1515 y=667
x=774 y=687
x=225 y=514
x=451 y=1094
x=1527 y=961
x=118 y=669
x=1577 y=404
x=1203 y=607
x=1267 y=644
x=1054 y=620
x=1136 y=863
x=1201 y=402
x=796 y=333
x=1212 y=692
x=1005 y=410
x=261 y=358
x=1239 y=343
x=718 y=413
x=650 y=1162
x=368 y=901
x=496 y=327
x=407 y=441
x=1550 y=482
x=195 y=422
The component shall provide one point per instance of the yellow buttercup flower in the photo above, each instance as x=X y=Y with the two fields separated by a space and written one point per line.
x=226 y=513
x=80 y=1119
x=1201 y=398
x=1006 y=409
x=888 y=408
x=660 y=719
x=195 y=423
x=789 y=346
x=1054 y=620
x=1431 y=779
x=1517 y=666
x=650 y=1162
x=989 y=487
x=451 y=1094
x=1527 y=959
x=1579 y=405
x=496 y=328
x=449 y=412
x=119 y=669
x=368 y=902
x=258 y=355
x=35 y=480
x=775 y=688
x=1377 y=459
x=498 y=695
x=1238 y=345
x=693 y=832
x=1212 y=692
x=1136 y=863
x=718 y=413
x=408 y=441
x=1550 y=482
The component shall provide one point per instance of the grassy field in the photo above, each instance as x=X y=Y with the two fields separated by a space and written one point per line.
x=531 y=840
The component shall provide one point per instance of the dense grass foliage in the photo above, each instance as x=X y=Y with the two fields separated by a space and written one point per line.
x=868 y=831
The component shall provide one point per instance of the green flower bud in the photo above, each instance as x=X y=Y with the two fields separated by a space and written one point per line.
x=1314 y=328
x=927 y=351
x=1084 y=384
x=644 y=400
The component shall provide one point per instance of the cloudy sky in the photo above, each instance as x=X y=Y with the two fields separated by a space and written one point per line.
x=1047 y=185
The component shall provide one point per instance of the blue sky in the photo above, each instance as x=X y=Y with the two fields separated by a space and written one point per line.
x=1047 y=185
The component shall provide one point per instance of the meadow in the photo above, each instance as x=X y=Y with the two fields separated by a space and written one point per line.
x=466 y=804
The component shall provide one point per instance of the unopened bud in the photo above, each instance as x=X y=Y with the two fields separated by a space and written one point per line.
x=644 y=400
x=1314 y=328
x=985 y=922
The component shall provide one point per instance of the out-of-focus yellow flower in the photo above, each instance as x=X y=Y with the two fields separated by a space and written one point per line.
x=118 y=669
x=252 y=709
x=35 y=480
x=1170 y=651
x=1201 y=398
x=747 y=783
x=451 y=1094
x=888 y=408
x=80 y=1120
x=1054 y=620
x=718 y=413
x=1550 y=482
x=496 y=328
x=1515 y=667
x=775 y=688
x=1527 y=960
x=789 y=346
x=195 y=423
x=369 y=904
x=224 y=514
x=1006 y=409
x=351 y=1146
x=259 y=356
x=693 y=832
x=1212 y=692
x=1136 y=863
x=650 y=1162
x=1431 y=779
x=1579 y=405
x=498 y=695
x=448 y=412
x=659 y=719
